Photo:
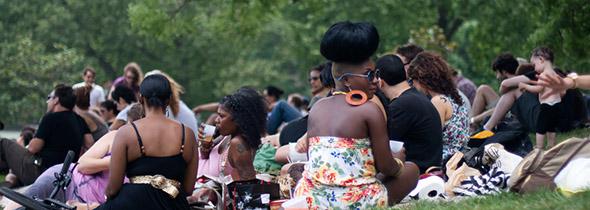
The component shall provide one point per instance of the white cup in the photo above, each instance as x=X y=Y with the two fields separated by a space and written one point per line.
x=395 y=146
x=208 y=131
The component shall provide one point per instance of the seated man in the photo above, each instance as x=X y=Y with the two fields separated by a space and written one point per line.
x=525 y=106
x=124 y=98
x=59 y=131
x=486 y=98
x=412 y=118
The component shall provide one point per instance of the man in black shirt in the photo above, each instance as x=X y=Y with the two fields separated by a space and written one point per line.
x=60 y=130
x=412 y=118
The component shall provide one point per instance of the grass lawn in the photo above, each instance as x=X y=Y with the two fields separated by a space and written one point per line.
x=545 y=199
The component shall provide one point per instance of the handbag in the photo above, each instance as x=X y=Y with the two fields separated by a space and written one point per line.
x=252 y=194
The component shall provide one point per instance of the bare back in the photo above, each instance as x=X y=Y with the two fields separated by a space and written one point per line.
x=332 y=117
x=160 y=139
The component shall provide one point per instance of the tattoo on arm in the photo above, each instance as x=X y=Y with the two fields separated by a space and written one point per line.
x=241 y=148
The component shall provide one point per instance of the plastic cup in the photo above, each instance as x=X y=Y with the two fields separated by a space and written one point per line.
x=208 y=131
x=395 y=146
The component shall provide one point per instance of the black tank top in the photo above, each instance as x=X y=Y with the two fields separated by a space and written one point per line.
x=172 y=167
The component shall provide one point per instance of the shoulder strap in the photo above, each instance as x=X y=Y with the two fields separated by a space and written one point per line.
x=141 y=147
x=182 y=140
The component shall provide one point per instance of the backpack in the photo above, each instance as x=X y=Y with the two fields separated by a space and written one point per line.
x=539 y=168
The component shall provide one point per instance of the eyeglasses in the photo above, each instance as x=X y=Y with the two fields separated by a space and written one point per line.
x=313 y=78
x=370 y=75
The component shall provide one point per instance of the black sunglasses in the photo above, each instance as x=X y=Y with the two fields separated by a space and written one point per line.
x=370 y=75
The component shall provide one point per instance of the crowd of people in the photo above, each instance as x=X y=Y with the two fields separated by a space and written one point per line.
x=139 y=146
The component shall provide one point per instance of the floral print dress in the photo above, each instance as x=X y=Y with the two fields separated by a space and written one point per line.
x=340 y=174
x=456 y=129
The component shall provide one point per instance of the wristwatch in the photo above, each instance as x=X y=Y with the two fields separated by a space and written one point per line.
x=574 y=77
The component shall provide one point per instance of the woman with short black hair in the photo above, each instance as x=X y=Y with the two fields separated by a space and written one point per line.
x=159 y=156
x=347 y=137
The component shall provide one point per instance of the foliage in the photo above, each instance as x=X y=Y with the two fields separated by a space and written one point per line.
x=213 y=47
x=28 y=73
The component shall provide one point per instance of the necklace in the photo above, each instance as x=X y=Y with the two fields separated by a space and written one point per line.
x=339 y=93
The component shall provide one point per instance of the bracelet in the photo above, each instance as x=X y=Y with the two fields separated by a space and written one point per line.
x=574 y=77
x=400 y=164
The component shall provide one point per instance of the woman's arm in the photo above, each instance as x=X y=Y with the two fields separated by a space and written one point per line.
x=558 y=83
x=94 y=160
x=379 y=138
x=191 y=152
x=118 y=161
x=241 y=158
x=117 y=124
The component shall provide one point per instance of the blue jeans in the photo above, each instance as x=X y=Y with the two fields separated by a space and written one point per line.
x=281 y=112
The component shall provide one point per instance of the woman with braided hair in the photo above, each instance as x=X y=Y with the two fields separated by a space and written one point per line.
x=432 y=75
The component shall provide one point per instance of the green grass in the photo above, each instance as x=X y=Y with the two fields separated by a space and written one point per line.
x=544 y=199
x=539 y=200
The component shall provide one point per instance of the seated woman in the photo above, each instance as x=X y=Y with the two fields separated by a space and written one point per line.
x=241 y=123
x=96 y=124
x=242 y=116
x=212 y=165
x=159 y=155
x=89 y=176
x=347 y=137
x=432 y=75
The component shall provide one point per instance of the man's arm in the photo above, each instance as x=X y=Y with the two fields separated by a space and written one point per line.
x=210 y=107
x=35 y=145
x=509 y=84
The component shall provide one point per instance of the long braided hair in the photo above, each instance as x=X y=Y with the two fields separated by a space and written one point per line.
x=248 y=111
x=435 y=74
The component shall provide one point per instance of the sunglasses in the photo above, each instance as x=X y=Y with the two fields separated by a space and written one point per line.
x=370 y=75
x=313 y=78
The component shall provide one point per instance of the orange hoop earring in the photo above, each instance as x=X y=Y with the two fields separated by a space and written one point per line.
x=356 y=97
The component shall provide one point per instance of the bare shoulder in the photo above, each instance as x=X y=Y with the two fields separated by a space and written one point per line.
x=440 y=100
x=370 y=107
x=239 y=144
x=123 y=136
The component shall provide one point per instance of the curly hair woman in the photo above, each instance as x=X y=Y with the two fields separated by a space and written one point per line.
x=242 y=116
x=432 y=75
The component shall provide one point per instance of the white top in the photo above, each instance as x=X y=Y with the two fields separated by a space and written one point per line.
x=96 y=94
x=185 y=116
x=123 y=113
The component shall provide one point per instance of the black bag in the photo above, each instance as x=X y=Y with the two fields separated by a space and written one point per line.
x=253 y=194
x=511 y=134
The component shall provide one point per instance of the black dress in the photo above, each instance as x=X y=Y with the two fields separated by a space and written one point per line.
x=144 y=196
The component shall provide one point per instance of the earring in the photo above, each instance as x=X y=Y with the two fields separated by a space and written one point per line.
x=356 y=97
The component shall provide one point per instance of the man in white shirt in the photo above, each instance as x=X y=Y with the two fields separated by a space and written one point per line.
x=97 y=93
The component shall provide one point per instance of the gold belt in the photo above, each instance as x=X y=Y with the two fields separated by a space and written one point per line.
x=169 y=186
